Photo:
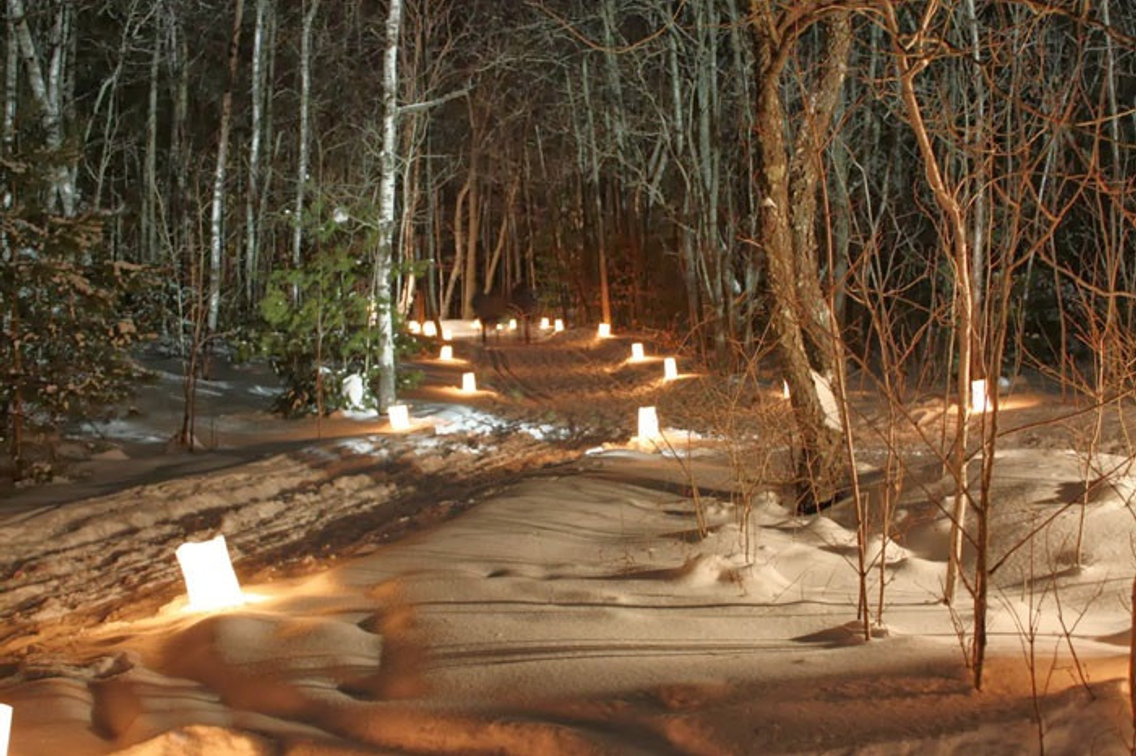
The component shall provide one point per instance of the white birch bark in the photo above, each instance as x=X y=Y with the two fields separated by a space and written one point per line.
x=305 y=109
x=11 y=96
x=386 y=219
x=150 y=169
x=252 y=203
x=11 y=80
x=216 y=215
x=459 y=244
x=47 y=95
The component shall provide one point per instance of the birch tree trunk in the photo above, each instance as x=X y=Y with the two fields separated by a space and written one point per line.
x=48 y=96
x=459 y=244
x=252 y=197
x=708 y=160
x=217 y=212
x=302 y=162
x=11 y=82
x=386 y=220
x=150 y=170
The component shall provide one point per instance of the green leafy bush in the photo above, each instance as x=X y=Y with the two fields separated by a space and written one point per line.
x=320 y=330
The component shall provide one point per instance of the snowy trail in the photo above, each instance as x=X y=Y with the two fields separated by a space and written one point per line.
x=576 y=609
x=109 y=556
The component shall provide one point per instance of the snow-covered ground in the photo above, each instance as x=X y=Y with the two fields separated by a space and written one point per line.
x=515 y=575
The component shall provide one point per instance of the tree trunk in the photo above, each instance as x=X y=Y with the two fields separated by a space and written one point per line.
x=48 y=95
x=473 y=215
x=252 y=196
x=910 y=65
x=805 y=171
x=459 y=243
x=302 y=162
x=598 y=221
x=216 y=216
x=788 y=204
x=150 y=196
x=386 y=220
x=11 y=84
x=707 y=163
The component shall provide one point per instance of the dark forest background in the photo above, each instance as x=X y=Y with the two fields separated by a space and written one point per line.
x=926 y=191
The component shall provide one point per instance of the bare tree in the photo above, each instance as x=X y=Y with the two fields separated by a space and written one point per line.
x=217 y=212
x=787 y=181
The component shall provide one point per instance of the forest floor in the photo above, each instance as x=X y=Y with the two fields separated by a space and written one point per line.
x=518 y=574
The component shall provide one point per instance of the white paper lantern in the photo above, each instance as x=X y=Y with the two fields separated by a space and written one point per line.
x=353 y=390
x=447 y=334
x=512 y=324
x=5 y=727
x=784 y=389
x=544 y=324
x=604 y=331
x=447 y=353
x=979 y=397
x=670 y=369
x=477 y=324
x=469 y=383
x=399 y=415
x=557 y=325
x=429 y=329
x=648 y=423
x=636 y=351
x=209 y=577
x=414 y=326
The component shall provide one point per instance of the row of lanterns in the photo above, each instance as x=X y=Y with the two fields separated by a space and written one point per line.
x=212 y=584
x=430 y=330
x=210 y=581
